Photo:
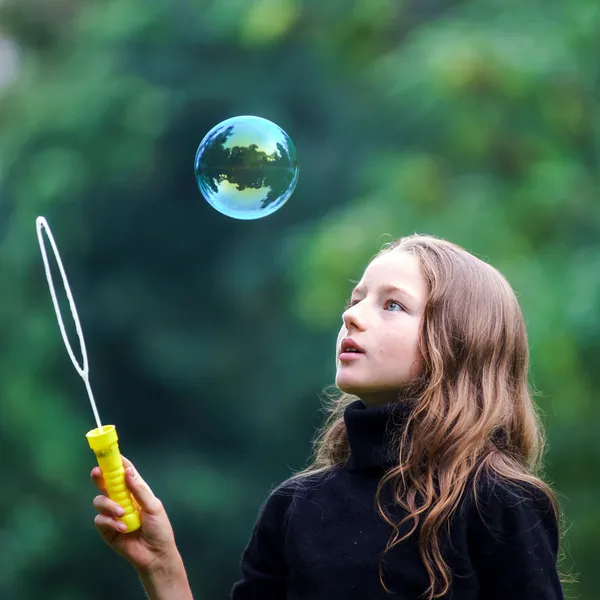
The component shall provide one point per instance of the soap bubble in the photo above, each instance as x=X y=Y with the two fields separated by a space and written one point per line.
x=246 y=167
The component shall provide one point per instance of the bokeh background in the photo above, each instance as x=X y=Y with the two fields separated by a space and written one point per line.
x=210 y=340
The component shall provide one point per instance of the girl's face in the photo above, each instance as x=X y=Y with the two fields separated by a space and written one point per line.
x=383 y=320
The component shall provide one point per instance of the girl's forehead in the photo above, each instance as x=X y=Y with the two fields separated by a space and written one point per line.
x=393 y=266
x=394 y=270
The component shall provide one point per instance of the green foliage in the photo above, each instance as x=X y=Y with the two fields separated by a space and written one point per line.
x=209 y=339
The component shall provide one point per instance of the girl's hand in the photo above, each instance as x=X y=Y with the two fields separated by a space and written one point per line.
x=153 y=544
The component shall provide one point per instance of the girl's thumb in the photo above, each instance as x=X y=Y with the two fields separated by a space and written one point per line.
x=142 y=493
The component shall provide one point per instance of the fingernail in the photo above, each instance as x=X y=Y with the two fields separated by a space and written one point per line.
x=122 y=526
x=120 y=511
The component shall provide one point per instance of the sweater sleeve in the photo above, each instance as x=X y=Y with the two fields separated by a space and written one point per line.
x=513 y=541
x=263 y=566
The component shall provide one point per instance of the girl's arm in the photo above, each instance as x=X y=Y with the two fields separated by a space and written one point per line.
x=167 y=581
x=513 y=542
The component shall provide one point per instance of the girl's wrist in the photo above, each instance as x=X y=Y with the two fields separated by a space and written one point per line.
x=166 y=580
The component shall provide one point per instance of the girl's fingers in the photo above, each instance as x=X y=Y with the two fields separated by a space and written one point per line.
x=142 y=493
x=98 y=479
x=143 y=496
x=104 y=524
x=126 y=462
x=106 y=506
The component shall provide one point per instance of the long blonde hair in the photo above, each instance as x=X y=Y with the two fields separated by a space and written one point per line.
x=473 y=408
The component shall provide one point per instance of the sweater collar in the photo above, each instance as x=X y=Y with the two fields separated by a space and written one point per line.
x=368 y=435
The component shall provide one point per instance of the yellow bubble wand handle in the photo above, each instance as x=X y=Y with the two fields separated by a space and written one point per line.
x=103 y=440
x=106 y=448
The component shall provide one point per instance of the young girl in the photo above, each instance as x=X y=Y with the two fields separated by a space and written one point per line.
x=424 y=479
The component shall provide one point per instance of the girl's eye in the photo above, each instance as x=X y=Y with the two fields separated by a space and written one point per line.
x=393 y=305
x=389 y=305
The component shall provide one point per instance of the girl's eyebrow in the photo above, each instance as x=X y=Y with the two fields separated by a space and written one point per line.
x=387 y=289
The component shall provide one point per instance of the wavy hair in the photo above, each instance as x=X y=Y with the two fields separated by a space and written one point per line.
x=473 y=410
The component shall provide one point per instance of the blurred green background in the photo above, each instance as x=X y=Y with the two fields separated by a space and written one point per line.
x=210 y=340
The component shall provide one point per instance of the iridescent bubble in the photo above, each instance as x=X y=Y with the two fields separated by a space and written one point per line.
x=246 y=167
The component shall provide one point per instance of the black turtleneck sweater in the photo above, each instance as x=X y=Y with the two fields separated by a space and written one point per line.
x=322 y=539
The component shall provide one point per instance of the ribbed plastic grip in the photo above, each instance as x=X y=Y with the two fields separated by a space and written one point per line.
x=106 y=448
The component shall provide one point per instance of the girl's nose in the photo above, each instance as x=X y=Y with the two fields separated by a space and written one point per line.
x=353 y=318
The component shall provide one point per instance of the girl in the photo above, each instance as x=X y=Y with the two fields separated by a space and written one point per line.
x=424 y=482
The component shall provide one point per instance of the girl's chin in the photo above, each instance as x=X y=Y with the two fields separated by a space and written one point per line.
x=349 y=387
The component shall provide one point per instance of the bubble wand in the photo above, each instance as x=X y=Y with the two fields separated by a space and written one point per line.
x=103 y=440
